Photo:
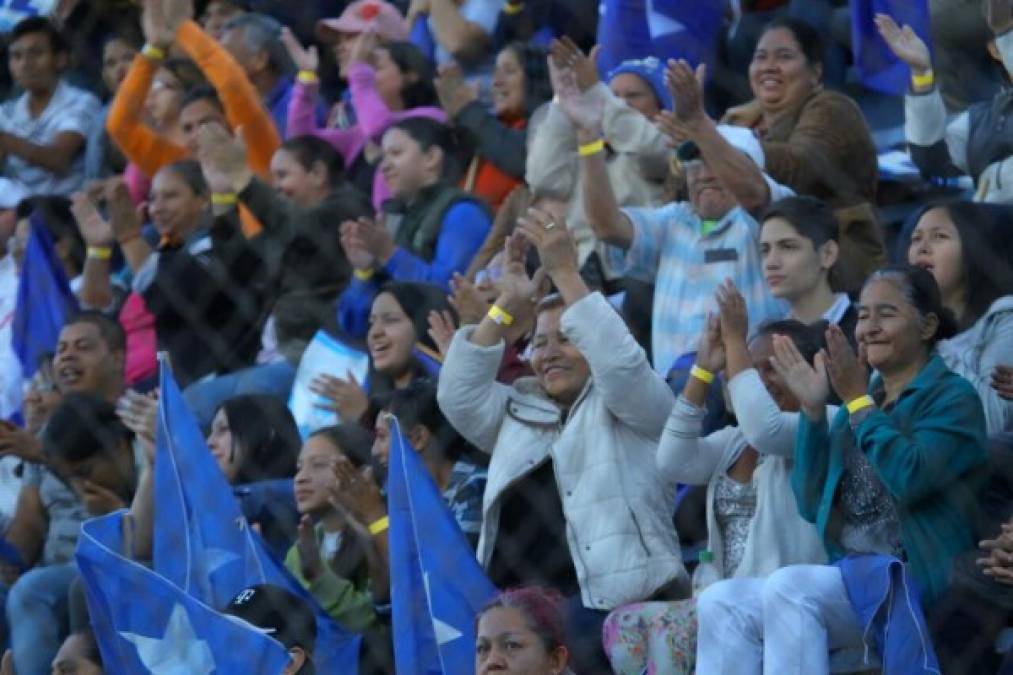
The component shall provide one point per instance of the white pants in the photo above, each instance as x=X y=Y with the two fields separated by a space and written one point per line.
x=786 y=624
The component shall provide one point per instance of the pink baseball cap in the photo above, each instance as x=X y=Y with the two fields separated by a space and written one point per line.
x=378 y=16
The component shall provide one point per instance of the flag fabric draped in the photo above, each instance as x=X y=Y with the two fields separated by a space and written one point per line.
x=143 y=623
x=202 y=542
x=876 y=65
x=635 y=29
x=204 y=554
x=437 y=585
x=44 y=302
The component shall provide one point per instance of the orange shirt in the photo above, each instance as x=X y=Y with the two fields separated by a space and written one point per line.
x=150 y=151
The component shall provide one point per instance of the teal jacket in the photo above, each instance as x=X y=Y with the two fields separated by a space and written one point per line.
x=929 y=451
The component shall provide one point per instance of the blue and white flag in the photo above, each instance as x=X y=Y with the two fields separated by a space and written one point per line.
x=44 y=303
x=202 y=542
x=876 y=64
x=143 y=623
x=636 y=29
x=437 y=585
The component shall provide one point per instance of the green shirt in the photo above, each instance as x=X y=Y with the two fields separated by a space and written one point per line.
x=929 y=451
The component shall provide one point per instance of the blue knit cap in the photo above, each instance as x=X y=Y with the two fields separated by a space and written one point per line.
x=652 y=71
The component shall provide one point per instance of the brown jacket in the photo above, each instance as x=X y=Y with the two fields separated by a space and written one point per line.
x=824 y=149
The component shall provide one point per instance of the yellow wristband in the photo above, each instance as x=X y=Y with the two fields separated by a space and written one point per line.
x=500 y=316
x=363 y=275
x=100 y=252
x=224 y=198
x=512 y=9
x=923 y=81
x=701 y=374
x=859 y=403
x=307 y=77
x=379 y=526
x=592 y=148
x=152 y=52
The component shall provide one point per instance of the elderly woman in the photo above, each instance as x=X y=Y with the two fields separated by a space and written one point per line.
x=573 y=500
x=815 y=141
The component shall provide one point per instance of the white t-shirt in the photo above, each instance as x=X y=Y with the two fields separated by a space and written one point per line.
x=70 y=109
x=10 y=367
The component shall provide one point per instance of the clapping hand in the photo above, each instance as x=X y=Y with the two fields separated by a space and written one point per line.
x=344 y=396
x=369 y=235
x=809 y=383
x=734 y=316
x=584 y=109
x=905 y=44
x=1002 y=381
x=95 y=230
x=125 y=219
x=998 y=564
x=710 y=350
x=849 y=373
x=20 y=443
x=550 y=235
x=223 y=158
x=585 y=66
x=357 y=496
x=311 y=563
x=441 y=330
x=355 y=247
x=139 y=413
x=686 y=86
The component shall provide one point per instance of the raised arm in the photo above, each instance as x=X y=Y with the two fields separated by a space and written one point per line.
x=468 y=394
x=585 y=112
x=243 y=107
x=684 y=454
x=466 y=40
x=731 y=167
x=632 y=391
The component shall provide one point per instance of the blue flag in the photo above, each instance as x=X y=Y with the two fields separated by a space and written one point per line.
x=437 y=585
x=145 y=624
x=203 y=544
x=636 y=29
x=876 y=64
x=44 y=302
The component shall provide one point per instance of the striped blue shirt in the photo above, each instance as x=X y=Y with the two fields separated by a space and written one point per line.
x=686 y=266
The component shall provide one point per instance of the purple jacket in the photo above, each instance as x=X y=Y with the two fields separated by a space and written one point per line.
x=373 y=115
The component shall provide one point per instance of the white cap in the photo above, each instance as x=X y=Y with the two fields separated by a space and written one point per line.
x=746 y=141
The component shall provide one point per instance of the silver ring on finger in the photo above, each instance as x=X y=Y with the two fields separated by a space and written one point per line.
x=549 y=225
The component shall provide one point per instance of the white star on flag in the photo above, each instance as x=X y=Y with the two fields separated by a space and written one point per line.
x=178 y=652
x=659 y=24
x=442 y=630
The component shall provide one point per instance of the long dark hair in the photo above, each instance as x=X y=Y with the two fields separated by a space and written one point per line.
x=987 y=260
x=418 y=72
x=265 y=433
x=537 y=87
x=416 y=300
x=453 y=143
x=351 y=440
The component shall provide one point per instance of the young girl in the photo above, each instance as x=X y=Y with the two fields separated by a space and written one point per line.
x=966 y=247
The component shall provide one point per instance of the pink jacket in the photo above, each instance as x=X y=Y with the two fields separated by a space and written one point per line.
x=373 y=118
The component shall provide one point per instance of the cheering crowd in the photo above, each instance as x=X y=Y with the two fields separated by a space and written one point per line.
x=639 y=320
